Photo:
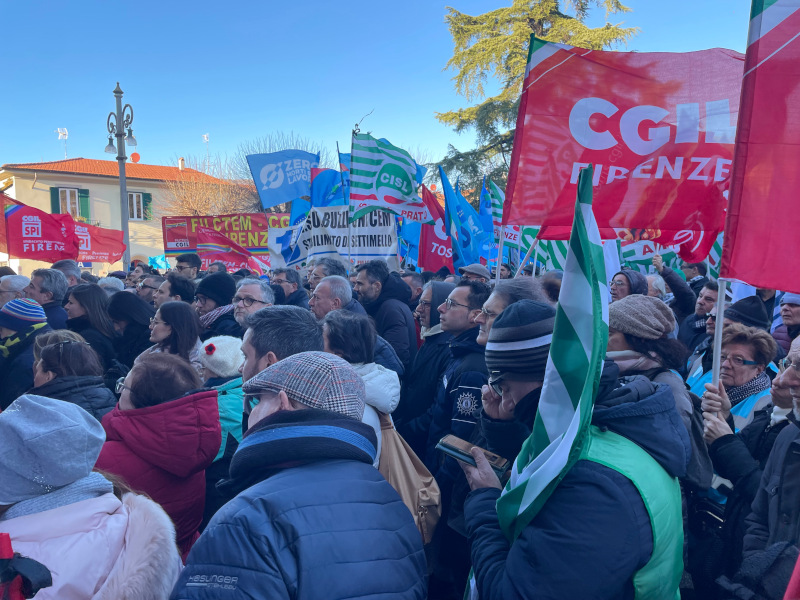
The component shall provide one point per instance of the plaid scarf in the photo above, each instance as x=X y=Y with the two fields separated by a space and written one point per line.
x=757 y=384
x=700 y=322
x=207 y=319
x=15 y=343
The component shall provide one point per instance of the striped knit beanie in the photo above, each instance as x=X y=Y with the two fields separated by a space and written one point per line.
x=316 y=379
x=519 y=341
x=21 y=313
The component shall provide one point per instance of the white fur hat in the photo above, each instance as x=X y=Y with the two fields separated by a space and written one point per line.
x=222 y=355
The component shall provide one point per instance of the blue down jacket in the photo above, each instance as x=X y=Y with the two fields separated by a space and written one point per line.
x=593 y=533
x=327 y=529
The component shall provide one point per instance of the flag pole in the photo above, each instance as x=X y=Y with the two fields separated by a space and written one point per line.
x=500 y=254
x=717 y=347
x=528 y=255
x=349 y=235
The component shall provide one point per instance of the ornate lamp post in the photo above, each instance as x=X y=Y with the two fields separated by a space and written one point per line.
x=118 y=122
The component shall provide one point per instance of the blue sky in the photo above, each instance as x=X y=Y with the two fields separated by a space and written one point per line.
x=240 y=71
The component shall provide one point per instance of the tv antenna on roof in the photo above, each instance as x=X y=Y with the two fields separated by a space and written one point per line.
x=62 y=135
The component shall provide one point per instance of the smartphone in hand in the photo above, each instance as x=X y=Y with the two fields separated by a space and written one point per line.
x=460 y=450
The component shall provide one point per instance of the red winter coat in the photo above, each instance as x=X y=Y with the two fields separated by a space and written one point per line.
x=163 y=451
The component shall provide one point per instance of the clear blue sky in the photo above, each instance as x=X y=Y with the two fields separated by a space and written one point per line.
x=239 y=71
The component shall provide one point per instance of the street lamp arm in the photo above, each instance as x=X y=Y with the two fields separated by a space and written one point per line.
x=127 y=118
x=112 y=126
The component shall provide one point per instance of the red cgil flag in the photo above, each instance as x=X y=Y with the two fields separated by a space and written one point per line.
x=658 y=127
x=214 y=245
x=35 y=234
x=97 y=244
x=435 y=251
x=763 y=222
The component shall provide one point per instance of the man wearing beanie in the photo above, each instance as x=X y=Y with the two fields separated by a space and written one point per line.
x=627 y=282
x=599 y=530
x=212 y=301
x=21 y=321
x=311 y=511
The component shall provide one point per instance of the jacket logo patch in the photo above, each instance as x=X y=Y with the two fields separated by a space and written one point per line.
x=467 y=403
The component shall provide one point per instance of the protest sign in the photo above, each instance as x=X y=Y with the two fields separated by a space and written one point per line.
x=96 y=244
x=325 y=233
x=37 y=235
x=658 y=127
x=251 y=231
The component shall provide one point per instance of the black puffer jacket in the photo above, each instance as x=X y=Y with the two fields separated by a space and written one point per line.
x=298 y=298
x=104 y=346
x=133 y=341
x=393 y=318
x=88 y=392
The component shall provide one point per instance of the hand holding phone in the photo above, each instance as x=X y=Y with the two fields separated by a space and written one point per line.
x=461 y=450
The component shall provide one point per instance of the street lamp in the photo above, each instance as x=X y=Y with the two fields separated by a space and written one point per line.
x=118 y=122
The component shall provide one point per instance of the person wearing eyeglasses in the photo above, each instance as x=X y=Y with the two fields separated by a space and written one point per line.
x=212 y=301
x=458 y=395
x=627 y=282
x=175 y=329
x=12 y=286
x=419 y=387
x=504 y=294
x=148 y=286
x=161 y=436
x=188 y=265
x=744 y=385
x=251 y=295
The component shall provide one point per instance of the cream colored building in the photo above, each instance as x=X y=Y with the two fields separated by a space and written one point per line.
x=89 y=190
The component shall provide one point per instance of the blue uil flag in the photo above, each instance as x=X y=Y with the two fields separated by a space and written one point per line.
x=281 y=177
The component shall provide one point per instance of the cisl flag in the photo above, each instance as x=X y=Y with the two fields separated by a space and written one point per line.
x=761 y=232
x=658 y=127
x=97 y=244
x=37 y=235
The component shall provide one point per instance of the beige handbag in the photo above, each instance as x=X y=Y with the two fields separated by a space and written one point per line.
x=405 y=472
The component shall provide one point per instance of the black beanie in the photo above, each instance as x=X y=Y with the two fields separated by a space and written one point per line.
x=519 y=341
x=219 y=287
x=637 y=281
x=749 y=311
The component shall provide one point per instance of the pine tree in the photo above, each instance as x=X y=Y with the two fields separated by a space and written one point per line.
x=495 y=45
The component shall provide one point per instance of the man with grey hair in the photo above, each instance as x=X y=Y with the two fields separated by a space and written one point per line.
x=325 y=267
x=70 y=269
x=12 y=286
x=111 y=285
x=506 y=293
x=146 y=289
x=334 y=293
x=251 y=296
x=308 y=498
x=49 y=288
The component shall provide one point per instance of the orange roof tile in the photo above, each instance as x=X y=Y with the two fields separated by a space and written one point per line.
x=110 y=168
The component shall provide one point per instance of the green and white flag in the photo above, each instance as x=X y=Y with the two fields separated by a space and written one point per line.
x=571 y=379
x=556 y=252
x=714 y=256
x=384 y=177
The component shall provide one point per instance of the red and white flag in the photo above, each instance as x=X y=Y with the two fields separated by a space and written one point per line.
x=762 y=231
x=659 y=129
x=435 y=250
x=217 y=246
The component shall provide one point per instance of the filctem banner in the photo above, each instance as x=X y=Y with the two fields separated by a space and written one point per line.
x=383 y=176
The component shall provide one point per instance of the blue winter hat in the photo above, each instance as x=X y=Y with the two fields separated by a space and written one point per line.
x=45 y=444
x=21 y=313
x=789 y=298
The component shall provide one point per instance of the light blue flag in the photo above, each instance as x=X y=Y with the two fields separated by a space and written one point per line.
x=462 y=225
x=158 y=262
x=326 y=189
x=280 y=177
x=409 y=233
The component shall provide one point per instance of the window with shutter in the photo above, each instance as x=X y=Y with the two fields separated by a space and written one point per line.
x=135 y=206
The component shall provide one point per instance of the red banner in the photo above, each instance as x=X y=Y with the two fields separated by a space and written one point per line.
x=435 y=251
x=4 y=201
x=213 y=246
x=97 y=244
x=37 y=235
x=761 y=233
x=658 y=128
x=250 y=231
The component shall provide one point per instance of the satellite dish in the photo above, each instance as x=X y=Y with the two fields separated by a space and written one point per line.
x=62 y=133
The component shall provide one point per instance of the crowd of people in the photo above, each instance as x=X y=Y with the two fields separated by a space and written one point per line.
x=206 y=434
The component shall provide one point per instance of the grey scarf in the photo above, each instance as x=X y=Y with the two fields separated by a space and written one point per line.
x=91 y=486
x=759 y=383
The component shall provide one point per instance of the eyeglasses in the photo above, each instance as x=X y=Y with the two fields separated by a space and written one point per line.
x=788 y=363
x=737 y=361
x=489 y=314
x=248 y=302
x=201 y=299
x=495 y=381
x=154 y=321
x=616 y=283
x=142 y=285
x=422 y=304
x=279 y=281
x=121 y=386
x=182 y=267
x=450 y=304
x=712 y=318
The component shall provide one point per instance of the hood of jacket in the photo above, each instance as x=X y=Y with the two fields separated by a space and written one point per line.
x=394 y=288
x=181 y=436
x=439 y=293
x=66 y=388
x=465 y=343
x=382 y=386
x=354 y=307
x=645 y=413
